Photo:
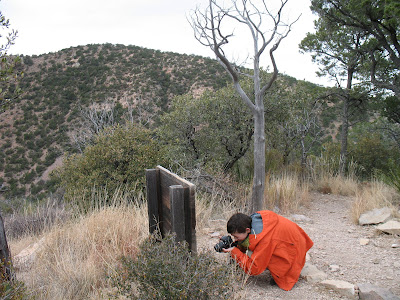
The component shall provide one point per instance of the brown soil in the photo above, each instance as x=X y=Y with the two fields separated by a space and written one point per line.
x=336 y=242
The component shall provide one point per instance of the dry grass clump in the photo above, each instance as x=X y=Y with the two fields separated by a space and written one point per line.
x=33 y=219
x=221 y=206
x=326 y=179
x=286 y=192
x=76 y=256
x=209 y=208
x=374 y=194
x=221 y=198
x=337 y=184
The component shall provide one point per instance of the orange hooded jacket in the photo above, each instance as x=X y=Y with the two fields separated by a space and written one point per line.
x=279 y=245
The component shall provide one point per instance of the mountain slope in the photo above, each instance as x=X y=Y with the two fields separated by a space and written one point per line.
x=56 y=86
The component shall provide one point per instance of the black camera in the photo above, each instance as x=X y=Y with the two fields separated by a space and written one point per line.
x=225 y=242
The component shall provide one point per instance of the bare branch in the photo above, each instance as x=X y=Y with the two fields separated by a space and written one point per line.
x=211 y=30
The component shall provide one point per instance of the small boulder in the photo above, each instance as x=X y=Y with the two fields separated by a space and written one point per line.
x=368 y=291
x=312 y=274
x=342 y=287
x=375 y=216
x=391 y=227
x=301 y=219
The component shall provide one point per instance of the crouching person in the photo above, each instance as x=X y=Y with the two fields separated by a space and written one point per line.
x=274 y=242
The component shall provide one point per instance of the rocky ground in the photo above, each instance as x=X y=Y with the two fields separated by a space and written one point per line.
x=342 y=251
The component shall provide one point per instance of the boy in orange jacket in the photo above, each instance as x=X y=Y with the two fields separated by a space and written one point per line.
x=276 y=243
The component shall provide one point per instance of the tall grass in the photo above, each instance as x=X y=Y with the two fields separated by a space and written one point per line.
x=371 y=195
x=101 y=197
x=326 y=179
x=76 y=255
x=210 y=208
x=337 y=185
x=34 y=218
x=285 y=192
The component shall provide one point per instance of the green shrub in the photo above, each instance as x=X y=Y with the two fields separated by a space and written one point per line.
x=371 y=153
x=40 y=169
x=28 y=177
x=9 y=151
x=392 y=177
x=119 y=156
x=164 y=269
x=13 y=290
x=51 y=156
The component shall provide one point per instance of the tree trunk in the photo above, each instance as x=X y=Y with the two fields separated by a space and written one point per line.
x=259 y=161
x=303 y=157
x=345 y=123
x=343 y=136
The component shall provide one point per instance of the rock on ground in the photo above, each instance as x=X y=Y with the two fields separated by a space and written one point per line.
x=368 y=291
x=375 y=216
x=342 y=287
x=391 y=227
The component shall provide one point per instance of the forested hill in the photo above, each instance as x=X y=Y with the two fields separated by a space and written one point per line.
x=35 y=131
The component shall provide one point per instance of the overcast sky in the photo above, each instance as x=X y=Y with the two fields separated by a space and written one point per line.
x=51 y=25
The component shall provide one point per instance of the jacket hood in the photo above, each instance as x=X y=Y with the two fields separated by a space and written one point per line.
x=262 y=224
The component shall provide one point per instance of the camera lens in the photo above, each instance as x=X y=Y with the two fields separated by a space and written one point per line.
x=218 y=247
x=224 y=243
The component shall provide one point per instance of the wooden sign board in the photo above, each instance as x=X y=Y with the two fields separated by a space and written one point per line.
x=171 y=205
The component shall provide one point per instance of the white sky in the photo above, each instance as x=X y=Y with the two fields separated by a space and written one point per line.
x=50 y=25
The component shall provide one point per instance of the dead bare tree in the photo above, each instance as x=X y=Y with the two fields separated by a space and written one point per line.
x=306 y=132
x=93 y=121
x=213 y=28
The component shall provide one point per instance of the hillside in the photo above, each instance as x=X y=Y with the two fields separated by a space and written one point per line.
x=57 y=86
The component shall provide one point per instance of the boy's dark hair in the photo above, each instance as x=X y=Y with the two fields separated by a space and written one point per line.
x=238 y=223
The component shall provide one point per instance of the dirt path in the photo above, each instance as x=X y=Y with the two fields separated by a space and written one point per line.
x=336 y=243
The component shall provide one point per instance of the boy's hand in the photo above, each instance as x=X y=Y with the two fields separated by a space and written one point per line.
x=228 y=250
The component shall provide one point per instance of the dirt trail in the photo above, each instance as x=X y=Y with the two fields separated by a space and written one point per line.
x=336 y=242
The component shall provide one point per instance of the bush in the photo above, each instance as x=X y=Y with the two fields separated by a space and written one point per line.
x=371 y=153
x=119 y=156
x=392 y=177
x=165 y=269
x=11 y=289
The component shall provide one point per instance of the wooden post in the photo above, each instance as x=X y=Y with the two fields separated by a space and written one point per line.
x=5 y=256
x=171 y=208
x=152 y=186
x=176 y=194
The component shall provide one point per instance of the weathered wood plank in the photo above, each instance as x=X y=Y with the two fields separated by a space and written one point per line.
x=167 y=179
x=153 y=194
x=164 y=180
x=176 y=196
